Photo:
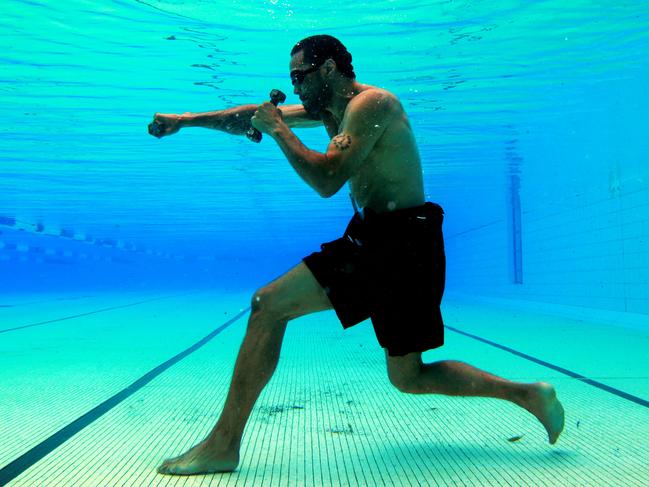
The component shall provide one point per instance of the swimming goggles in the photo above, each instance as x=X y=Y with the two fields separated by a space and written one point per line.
x=297 y=76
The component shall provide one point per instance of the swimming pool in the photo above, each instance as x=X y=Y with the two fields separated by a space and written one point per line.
x=128 y=263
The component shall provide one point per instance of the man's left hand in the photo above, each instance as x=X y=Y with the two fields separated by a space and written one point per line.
x=267 y=117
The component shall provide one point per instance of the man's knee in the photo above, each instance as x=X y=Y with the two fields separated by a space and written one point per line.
x=294 y=294
x=264 y=304
x=405 y=372
x=406 y=384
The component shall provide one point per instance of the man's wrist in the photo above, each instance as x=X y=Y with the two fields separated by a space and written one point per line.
x=185 y=120
x=279 y=131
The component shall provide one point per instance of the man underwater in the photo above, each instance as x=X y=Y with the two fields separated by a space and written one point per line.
x=388 y=266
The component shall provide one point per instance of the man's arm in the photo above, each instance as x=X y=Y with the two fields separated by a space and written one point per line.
x=365 y=120
x=234 y=121
x=295 y=116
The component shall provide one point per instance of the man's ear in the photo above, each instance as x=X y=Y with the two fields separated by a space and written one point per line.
x=330 y=65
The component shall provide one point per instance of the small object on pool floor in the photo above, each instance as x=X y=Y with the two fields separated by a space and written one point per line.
x=514 y=438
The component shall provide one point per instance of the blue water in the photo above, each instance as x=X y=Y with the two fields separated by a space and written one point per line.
x=530 y=118
x=127 y=263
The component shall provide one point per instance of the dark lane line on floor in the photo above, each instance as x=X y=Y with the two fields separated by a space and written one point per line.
x=90 y=313
x=574 y=375
x=25 y=461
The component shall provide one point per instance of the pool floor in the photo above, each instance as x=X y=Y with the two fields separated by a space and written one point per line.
x=97 y=389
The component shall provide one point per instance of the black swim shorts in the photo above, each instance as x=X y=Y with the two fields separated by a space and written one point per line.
x=389 y=267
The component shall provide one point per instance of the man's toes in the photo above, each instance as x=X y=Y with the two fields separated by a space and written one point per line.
x=165 y=467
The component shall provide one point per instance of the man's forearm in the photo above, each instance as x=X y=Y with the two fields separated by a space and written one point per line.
x=233 y=120
x=310 y=165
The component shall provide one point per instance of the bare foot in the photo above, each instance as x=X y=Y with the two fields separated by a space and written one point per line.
x=543 y=404
x=200 y=459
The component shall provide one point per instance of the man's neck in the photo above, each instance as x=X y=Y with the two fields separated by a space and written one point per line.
x=342 y=94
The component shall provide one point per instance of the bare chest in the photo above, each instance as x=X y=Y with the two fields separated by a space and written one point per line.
x=391 y=174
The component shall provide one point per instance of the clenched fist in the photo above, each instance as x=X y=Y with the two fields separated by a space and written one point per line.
x=164 y=124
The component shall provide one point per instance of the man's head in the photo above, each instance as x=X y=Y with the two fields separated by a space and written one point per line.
x=317 y=64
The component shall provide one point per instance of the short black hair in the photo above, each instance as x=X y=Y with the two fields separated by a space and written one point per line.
x=317 y=49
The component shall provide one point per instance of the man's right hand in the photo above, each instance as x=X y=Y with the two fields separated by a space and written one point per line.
x=167 y=124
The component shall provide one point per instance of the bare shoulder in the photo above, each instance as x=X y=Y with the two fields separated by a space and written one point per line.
x=374 y=100
x=373 y=103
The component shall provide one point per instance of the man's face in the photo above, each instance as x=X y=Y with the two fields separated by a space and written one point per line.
x=313 y=91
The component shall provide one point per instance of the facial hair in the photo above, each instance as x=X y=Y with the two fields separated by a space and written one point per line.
x=315 y=104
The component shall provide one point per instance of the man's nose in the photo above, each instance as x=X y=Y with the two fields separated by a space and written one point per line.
x=296 y=89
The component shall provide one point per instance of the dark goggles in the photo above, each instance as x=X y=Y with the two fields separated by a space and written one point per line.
x=297 y=76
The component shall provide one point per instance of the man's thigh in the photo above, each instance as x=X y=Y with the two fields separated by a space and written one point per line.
x=294 y=294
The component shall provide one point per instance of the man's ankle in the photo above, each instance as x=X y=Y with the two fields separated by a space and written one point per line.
x=521 y=395
x=224 y=438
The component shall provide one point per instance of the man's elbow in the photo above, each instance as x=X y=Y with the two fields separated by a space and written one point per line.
x=326 y=192
x=331 y=181
x=330 y=189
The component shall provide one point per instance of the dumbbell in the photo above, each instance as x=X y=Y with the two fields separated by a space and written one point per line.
x=276 y=97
